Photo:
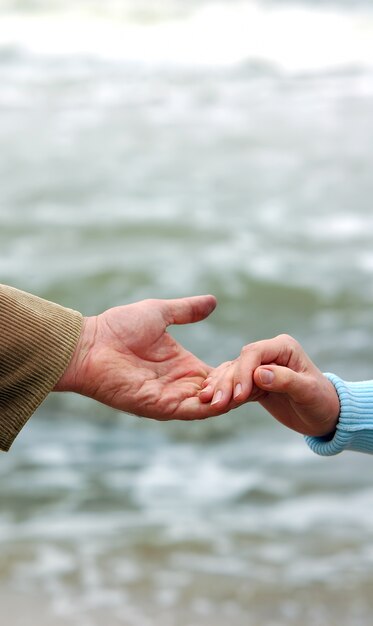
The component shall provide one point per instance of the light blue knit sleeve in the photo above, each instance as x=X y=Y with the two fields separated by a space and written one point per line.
x=355 y=425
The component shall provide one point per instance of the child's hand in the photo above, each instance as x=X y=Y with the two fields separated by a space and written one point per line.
x=279 y=374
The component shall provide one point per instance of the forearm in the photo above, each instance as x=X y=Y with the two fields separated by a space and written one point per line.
x=37 y=341
x=355 y=424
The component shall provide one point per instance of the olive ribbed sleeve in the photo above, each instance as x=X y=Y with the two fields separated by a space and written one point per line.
x=37 y=339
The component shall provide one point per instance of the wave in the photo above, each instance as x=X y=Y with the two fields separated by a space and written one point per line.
x=294 y=38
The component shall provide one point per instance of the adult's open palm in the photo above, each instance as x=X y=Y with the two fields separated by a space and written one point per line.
x=126 y=359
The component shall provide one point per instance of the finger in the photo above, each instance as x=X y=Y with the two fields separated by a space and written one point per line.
x=243 y=377
x=223 y=388
x=192 y=409
x=281 y=350
x=216 y=373
x=187 y=310
x=207 y=393
x=209 y=386
x=250 y=358
x=284 y=380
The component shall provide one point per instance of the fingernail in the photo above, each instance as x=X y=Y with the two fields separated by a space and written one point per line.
x=266 y=377
x=217 y=397
x=237 y=390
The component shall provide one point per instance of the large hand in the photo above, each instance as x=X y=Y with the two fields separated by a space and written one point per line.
x=279 y=374
x=127 y=360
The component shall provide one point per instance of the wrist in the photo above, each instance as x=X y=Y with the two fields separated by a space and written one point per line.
x=334 y=409
x=73 y=377
x=355 y=422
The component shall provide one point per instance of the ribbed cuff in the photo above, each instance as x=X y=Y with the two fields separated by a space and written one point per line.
x=355 y=425
x=37 y=341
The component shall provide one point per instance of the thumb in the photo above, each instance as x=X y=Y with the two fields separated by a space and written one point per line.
x=280 y=380
x=187 y=310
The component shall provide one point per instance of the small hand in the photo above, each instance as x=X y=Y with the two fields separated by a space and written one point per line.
x=126 y=359
x=282 y=378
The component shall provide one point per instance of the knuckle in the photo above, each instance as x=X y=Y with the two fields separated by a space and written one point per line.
x=288 y=340
x=248 y=349
x=285 y=337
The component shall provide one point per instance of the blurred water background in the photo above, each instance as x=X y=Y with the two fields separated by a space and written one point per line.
x=161 y=148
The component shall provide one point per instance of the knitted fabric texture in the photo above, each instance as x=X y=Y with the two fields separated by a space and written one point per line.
x=355 y=425
x=37 y=341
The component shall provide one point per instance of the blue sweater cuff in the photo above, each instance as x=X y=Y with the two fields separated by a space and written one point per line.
x=355 y=425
